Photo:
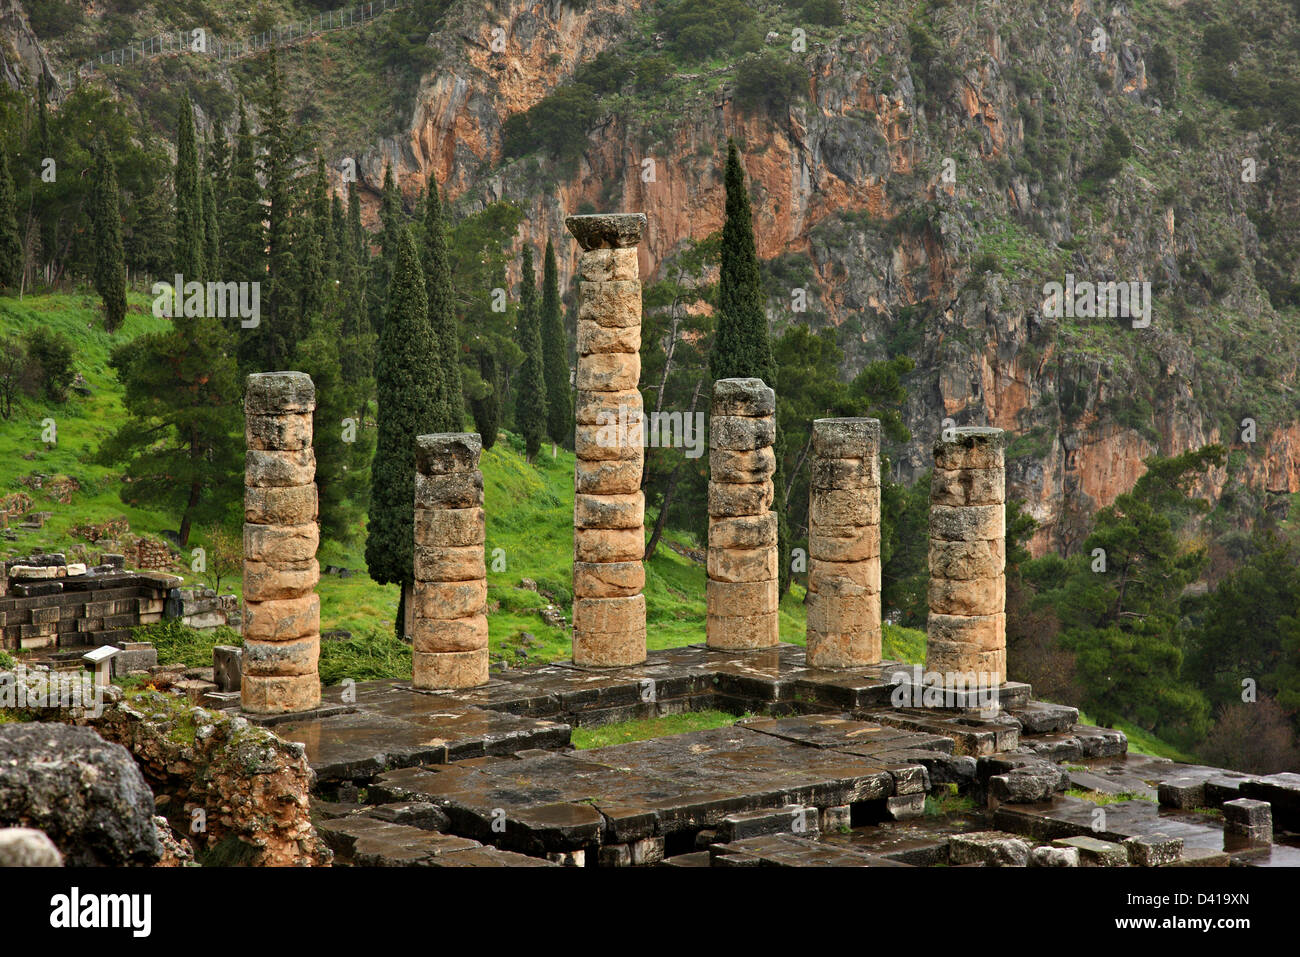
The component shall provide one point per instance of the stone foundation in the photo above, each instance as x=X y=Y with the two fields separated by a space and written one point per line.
x=282 y=611
x=967 y=625
x=449 y=602
x=609 y=506
x=844 y=544
x=742 y=590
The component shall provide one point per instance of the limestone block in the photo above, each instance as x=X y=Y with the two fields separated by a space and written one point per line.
x=449 y=599
x=278 y=393
x=864 y=544
x=601 y=266
x=290 y=505
x=609 y=615
x=968 y=486
x=609 y=511
x=944 y=657
x=609 y=649
x=617 y=441
x=974 y=447
x=287 y=433
x=453 y=490
x=742 y=564
x=729 y=467
x=728 y=501
x=282 y=619
x=610 y=372
x=973 y=596
x=608 y=544
x=831 y=508
x=743 y=531
x=593 y=337
x=846 y=438
x=263 y=582
x=298 y=656
x=865 y=574
x=743 y=397
x=743 y=632
x=281 y=543
x=607 y=230
x=977 y=632
x=608 y=579
x=450 y=527
x=277 y=469
x=842 y=607
x=436 y=635
x=449 y=564
x=845 y=473
x=739 y=599
x=263 y=694
x=455 y=669
x=447 y=453
x=603 y=408
x=844 y=649
x=958 y=523
x=967 y=559
x=607 y=477
x=740 y=433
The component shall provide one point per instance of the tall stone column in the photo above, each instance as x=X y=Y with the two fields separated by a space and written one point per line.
x=281 y=608
x=742 y=590
x=968 y=625
x=449 y=602
x=844 y=544
x=609 y=506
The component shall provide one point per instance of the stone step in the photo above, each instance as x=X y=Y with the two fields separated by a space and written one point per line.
x=1041 y=717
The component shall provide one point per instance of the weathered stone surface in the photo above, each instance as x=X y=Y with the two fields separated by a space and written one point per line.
x=1153 y=850
x=968 y=523
x=281 y=544
x=608 y=579
x=446 y=453
x=1045 y=856
x=864 y=574
x=610 y=372
x=968 y=486
x=947 y=657
x=263 y=582
x=434 y=635
x=966 y=560
x=280 y=694
x=752 y=398
x=282 y=619
x=621 y=643
x=299 y=656
x=972 y=447
x=27 y=847
x=609 y=614
x=596 y=337
x=1248 y=821
x=452 y=491
x=730 y=467
x=608 y=544
x=443 y=599
x=840 y=650
x=846 y=438
x=738 y=599
x=831 y=509
x=286 y=433
x=1094 y=852
x=277 y=393
x=608 y=265
x=737 y=433
x=1028 y=784
x=463 y=564
x=992 y=848
x=976 y=596
x=609 y=511
x=450 y=527
x=607 y=230
x=617 y=441
x=743 y=531
x=734 y=499
x=980 y=633
x=863 y=544
x=85 y=794
x=743 y=632
x=449 y=669
x=742 y=564
x=829 y=473
x=275 y=469
x=604 y=408
x=288 y=505
x=607 y=477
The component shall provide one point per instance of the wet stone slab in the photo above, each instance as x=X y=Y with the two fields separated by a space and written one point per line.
x=790 y=850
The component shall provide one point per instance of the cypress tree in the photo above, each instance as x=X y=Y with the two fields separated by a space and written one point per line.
x=106 y=223
x=243 y=235
x=742 y=346
x=406 y=382
x=555 y=355
x=391 y=225
x=189 y=198
x=11 y=247
x=211 y=230
x=442 y=311
x=486 y=409
x=280 y=327
x=530 y=392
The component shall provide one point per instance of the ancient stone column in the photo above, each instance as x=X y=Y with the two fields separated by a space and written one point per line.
x=742 y=589
x=281 y=609
x=844 y=544
x=450 y=628
x=967 y=624
x=609 y=506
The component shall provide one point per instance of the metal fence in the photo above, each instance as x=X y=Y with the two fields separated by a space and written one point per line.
x=204 y=44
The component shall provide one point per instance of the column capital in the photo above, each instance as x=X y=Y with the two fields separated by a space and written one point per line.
x=279 y=393
x=607 y=230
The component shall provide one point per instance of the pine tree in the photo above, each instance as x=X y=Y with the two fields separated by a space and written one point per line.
x=742 y=346
x=530 y=392
x=406 y=382
x=106 y=223
x=189 y=197
x=555 y=355
x=442 y=312
x=11 y=247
